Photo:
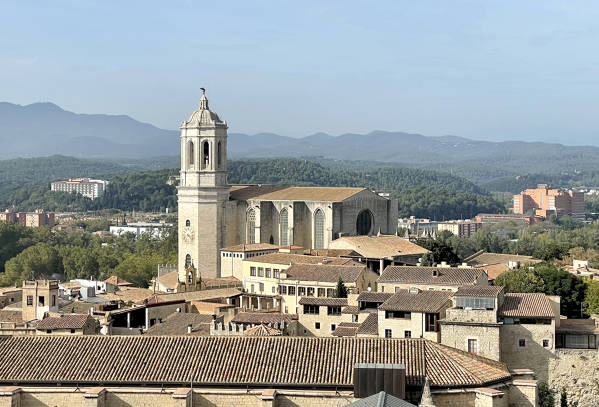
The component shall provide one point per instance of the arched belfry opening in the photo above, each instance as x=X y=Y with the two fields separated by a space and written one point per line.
x=284 y=222
x=205 y=154
x=219 y=155
x=251 y=226
x=319 y=229
x=190 y=155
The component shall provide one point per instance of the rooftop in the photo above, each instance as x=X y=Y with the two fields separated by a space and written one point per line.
x=370 y=326
x=119 y=282
x=381 y=399
x=532 y=305
x=178 y=322
x=327 y=194
x=422 y=301
x=289 y=258
x=64 y=321
x=481 y=258
x=169 y=280
x=238 y=361
x=346 y=329
x=203 y=295
x=425 y=275
x=263 y=318
x=253 y=247
x=324 y=273
x=262 y=330
x=334 y=302
x=486 y=291
x=372 y=296
x=378 y=247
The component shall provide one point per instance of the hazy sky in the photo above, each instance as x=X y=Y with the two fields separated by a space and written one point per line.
x=482 y=69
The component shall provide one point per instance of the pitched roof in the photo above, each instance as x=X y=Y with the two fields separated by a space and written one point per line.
x=262 y=330
x=328 y=194
x=381 y=399
x=290 y=258
x=486 y=291
x=373 y=296
x=64 y=321
x=370 y=326
x=423 y=301
x=115 y=280
x=245 y=192
x=482 y=258
x=346 y=329
x=178 y=322
x=234 y=360
x=169 y=280
x=424 y=275
x=202 y=295
x=333 y=302
x=332 y=252
x=533 y=305
x=252 y=247
x=324 y=273
x=379 y=247
x=263 y=318
x=350 y=309
x=578 y=326
x=11 y=316
x=126 y=294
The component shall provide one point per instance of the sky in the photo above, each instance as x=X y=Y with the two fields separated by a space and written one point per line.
x=487 y=70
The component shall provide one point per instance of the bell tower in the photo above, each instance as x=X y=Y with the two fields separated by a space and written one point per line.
x=202 y=193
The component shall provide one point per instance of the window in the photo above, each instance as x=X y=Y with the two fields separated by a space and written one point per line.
x=301 y=291
x=475 y=303
x=286 y=310
x=431 y=324
x=388 y=333
x=317 y=325
x=268 y=273
x=407 y=334
x=333 y=327
x=283 y=289
x=311 y=309
x=190 y=155
x=48 y=331
x=354 y=318
x=251 y=226
x=333 y=310
x=364 y=223
x=521 y=343
x=252 y=288
x=473 y=346
x=41 y=301
x=321 y=292
x=310 y=292
x=53 y=300
x=291 y=290
x=284 y=222
x=188 y=223
x=260 y=272
x=30 y=300
x=275 y=273
x=205 y=154
x=330 y=292
x=545 y=343
x=274 y=291
x=72 y=331
x=253 y=271
x=261 y=287
x=398 y=315
x=219 y=154
x=187 y=260
x=319 y=229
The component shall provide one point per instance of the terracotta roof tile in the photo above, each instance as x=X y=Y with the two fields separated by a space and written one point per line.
x=169 y=280
x=178 y=322
x=487 y=291
x=327 y=194
x=480 y=259
x=334 y=302
x=370 y=326
x=115 y=280
x=203 y=295
x=350 y=309
x=372 y=296
x=263 y=318
x=237 y=361
x=290 y=258
x=11 y=316
x=379 y=247
x=423 y=301
x=64 y=321
x=526 y=305
x=346 y=329
x=424 y=275
x=262 y=330
x=324 y=273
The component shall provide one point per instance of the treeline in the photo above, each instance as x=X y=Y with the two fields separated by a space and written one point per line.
x=41 y=253
x=519 y=183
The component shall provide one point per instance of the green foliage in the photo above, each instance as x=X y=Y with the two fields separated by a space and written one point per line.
x=521 y=280
x=40 y=261
x=440 y=251
x=546 y=395
x=341 y=291
x=78 y=262
x=590 y=304
x=138 y=268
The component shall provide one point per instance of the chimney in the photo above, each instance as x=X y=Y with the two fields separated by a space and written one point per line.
x=91 y=310
x=189 y=328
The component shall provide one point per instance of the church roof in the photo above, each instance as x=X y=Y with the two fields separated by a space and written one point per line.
x=203 y=116
x=379 y=247
x=277 y=193
x=290 y=258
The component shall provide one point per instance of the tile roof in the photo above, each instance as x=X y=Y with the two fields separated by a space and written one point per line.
x=332 y=252
x=126 y=294
x=328 y=194
x=169 y=280
x=379 y=247
x=177 y=323
x=64 y=321
x=115 y=280
x=423 y=301
x=324 y=273
x=350 y=309
x=374 y=296
x=334 y=302
x=11 y=316
x=381 y=399
x=577 y=326
x=253 y=247
x=487 y=291
x=370 y=326
x=245 y=192
x=290 y=258
x=484 y=258
x=424 y=275
x=203 y=295
x=262 y=330
x=526 y=305
x=263 y=318
x=346 y=329
x=235 y=360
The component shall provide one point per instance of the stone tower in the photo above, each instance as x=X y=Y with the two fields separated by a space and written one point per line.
x=202 y=193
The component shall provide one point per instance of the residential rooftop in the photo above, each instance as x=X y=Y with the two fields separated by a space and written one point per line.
x=289 y=258
x=421 y=301
x=452 y=276
x=380 y=247
x=526 y=305
x=324 y=273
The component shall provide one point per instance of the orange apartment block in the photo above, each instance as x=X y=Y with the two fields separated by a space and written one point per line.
x=31 y=219
x=545 y=201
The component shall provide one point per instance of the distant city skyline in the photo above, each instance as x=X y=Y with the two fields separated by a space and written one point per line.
x=480 y=70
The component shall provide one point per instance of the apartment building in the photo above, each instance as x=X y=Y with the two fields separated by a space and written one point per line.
x=29 y=219
x=544 y=201
x=396 y=278
x=90 y=188
x=460 y=228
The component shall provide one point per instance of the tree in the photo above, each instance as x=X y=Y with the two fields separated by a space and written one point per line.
x=36 y=262
x=546 y=395
x=138 y=269
x=569 y=287
x=79 y=262
x=341 y=291
x=441 y=250
x=590 y=304
x=521 y=280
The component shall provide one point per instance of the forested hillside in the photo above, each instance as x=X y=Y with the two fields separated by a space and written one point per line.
x=420 y=192
x=564 y=180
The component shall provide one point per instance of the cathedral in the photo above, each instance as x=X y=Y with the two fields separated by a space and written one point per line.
x=213 y=214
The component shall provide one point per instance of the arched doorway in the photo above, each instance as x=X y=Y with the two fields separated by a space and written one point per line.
x=364 y=223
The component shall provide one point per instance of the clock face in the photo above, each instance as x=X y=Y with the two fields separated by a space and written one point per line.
x=188 y=234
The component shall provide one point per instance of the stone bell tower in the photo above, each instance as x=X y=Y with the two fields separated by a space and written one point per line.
x=202 y=193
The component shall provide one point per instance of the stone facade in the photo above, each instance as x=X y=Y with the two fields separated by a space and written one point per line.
x=578 y=372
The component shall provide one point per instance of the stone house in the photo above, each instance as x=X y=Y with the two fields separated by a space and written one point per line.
x=67 y=324
x=320 y=316
x=232 y=257
x=396 y=278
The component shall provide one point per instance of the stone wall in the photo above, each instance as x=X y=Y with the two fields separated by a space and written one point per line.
x=578 y=372
x=457 y=335
x=532 y=355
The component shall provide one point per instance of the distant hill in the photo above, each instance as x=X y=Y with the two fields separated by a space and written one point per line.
x=45 y=129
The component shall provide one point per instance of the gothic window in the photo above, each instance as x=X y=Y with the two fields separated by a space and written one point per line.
x=319 y=229
x=205 y=154
x=251 y=226
x=271 y=240
x=187 y=260
x=364 y=223
x=188 y=223
x=284 y=221
x=190 y=154
x=219 y=154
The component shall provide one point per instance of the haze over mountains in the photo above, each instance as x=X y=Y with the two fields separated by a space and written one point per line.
x=42 y=129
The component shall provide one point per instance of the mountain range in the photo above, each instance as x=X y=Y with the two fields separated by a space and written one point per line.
x=42 y=129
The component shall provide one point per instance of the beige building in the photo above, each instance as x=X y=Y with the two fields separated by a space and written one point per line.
x=320 y=316
x=90 y=188
x=67 y=324
x=39 y=297
x=213 y=214
x=429 y=278
x=232 y=257
x=460 y=228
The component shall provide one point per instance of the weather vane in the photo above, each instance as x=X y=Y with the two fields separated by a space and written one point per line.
x=203 y=91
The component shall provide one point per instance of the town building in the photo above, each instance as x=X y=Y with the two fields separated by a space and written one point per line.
x=396 y=278
x=496 y=264
x=139 y=228
x=90 y=188
x=67 y=324
x=213 y=214
x=418 y=226
x=231 y=258
x=460 y=228
x=544 y=201
x=29 y=219
x=492 y=218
